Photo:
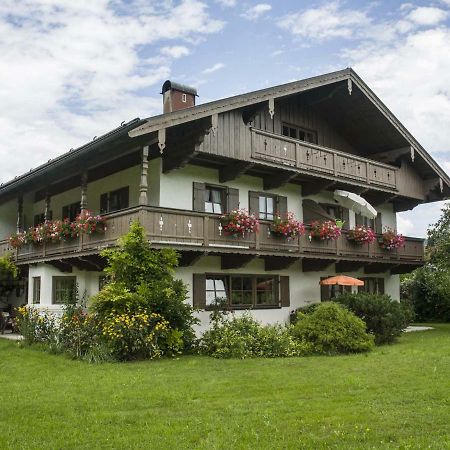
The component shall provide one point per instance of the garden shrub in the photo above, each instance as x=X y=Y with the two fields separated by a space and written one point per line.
x=308 y=309
x=428 y=290
x=385 y=318
x=244 y=337
x=332 y=329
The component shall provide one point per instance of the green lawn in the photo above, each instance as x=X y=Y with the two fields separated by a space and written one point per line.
x=396 y=397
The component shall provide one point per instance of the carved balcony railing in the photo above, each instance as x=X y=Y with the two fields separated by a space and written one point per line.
x=315 y=159
x=186 y=230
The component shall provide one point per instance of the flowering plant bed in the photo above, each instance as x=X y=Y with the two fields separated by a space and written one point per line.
x=287 y=227
x=390 y=240
x=327 y=230
x=361 y=235
x=59 y=230
x=238 y=222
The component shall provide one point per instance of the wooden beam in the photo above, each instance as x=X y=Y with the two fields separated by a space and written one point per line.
x=348 y=266
x=377 y=198
x=189 y=258
x=404 y=268
x=278 y=262
x=313 y=187
x=316 y=265
x=405 y=204
x=233 y=170
x=61 y=265
x=174 y=161
x=235 y=261
x=276 y=181
x=377 y=267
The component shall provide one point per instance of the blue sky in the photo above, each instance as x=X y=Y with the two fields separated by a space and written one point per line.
x=71 y=70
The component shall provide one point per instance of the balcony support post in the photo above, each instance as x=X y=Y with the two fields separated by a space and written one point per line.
x=47 y=207
x=19 y=213
x=83 y=200
x=143 y=186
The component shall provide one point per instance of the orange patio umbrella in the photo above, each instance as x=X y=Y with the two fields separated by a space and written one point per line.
x=342 y=280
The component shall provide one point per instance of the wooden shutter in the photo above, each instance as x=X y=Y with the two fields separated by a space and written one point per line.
x=232 y=199
x=199 y=290
x=313 y=211
x=346 y=218
x=380 y=282
x=198 y=202
x=103 y=205
x=378 y=225
x=253 y=203
x=285 y=298
x=281 y=206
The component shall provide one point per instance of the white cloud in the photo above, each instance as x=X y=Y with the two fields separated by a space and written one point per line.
x=213 y=68
x=404 y=225
x=427 y=15
x=228 y=3
x=325 y=22
x=74 y=69
x=255 y=12
x=176 y=51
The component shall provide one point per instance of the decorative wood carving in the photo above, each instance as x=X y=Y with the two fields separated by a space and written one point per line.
x=271 y=107
x=143 y=186
x=161 y=140
x=349 y=86
x=214 y=123
x=19 y=213
x=47 y=207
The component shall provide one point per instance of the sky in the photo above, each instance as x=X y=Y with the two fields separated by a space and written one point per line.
x=71 y=70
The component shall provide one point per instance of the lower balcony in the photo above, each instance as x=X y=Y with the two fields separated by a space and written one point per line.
x=196 y=234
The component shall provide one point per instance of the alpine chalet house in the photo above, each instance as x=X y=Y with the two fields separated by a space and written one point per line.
x=305 y=148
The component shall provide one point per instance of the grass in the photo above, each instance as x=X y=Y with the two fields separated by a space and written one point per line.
x=395 y=397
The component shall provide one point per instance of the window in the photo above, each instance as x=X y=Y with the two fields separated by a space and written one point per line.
x=302 y=134
x=114 y=200
x=36 y=290
x=214 y=199
x=372 y=286
x=330 y=292
x=71 y=211
x=63 y=289
x=266 y=207
x=216 y=290
x=183 y=98
x=40 y=218
x=242 y=291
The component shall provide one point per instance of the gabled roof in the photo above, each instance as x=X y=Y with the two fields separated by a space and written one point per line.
x=167 y=120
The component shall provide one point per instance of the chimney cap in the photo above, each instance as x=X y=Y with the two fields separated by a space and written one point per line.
x=168 y=85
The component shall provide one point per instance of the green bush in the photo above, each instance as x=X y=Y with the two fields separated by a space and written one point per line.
x=332 y=329
x=36 y=326
x=308 y=309
x=244 y=337
x=385 y=318
x=428 y=290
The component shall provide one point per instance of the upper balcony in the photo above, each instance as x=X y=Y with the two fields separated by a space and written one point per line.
x=196 y=234
x=317 y=160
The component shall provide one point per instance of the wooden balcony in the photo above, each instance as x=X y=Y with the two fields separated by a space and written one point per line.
x=321 y=161
x=196 y=232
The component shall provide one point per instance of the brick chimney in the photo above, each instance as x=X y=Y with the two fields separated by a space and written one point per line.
x=177 y=96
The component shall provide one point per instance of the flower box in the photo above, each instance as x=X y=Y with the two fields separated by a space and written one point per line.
x=239 y=222
x=287 y=227
x=390 y=240
x=361 y=235
x=325 y=231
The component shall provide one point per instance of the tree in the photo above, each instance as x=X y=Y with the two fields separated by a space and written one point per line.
x=142 y=278
x=9 y=273
x=438 y=245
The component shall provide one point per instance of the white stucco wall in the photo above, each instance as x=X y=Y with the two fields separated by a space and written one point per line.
x=87 y=284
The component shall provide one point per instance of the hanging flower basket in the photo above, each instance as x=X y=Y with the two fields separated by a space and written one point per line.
x=87 y=223
x=239 y=222
x=287 y=227
x=325 y=231
x=361 y=235
x=390 y=240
